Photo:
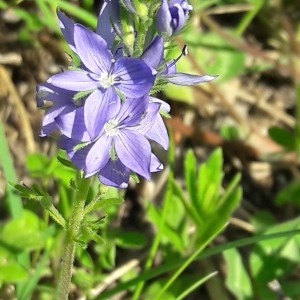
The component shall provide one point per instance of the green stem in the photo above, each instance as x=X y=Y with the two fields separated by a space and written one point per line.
x=73 y=228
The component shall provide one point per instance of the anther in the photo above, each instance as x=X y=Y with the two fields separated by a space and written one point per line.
x=184 y=51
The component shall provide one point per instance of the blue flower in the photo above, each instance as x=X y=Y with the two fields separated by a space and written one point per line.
x=153 y=56
x=122 y=145
x=109 y=23
x=172 y=16
x=107 y=26
x=102 y=76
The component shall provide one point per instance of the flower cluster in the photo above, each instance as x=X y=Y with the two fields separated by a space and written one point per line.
x=102 y=107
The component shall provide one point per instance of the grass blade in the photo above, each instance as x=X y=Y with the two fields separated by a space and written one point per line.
x=13 y=201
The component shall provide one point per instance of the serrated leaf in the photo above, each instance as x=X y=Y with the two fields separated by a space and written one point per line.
x=56 y=216
x=32 y=193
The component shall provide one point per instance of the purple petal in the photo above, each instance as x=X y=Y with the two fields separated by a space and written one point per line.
x=180 y=19
x=91 y=158
x=74 y=80
x=115 y=174
x=156 y=165
x=113 y=106
x=95 y=111
x=170 y=67
x=67 y=144
x=187 y=79
x=98 y=155
x=134 y=151
x=78 y=157
x=135 y=77
x=72 y=124
x=67 y=28
x=109 y=14
x=132 y=110
x=49 y=92
x=158 y=133
x=148 y=120
x=49 y=124
x=163 y=19
x=183 y=3
x=92 y=50
x=153 y=55
x=163 y=104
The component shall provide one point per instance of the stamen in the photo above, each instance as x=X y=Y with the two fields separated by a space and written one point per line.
x=113 y=60
x=111 y=128
x=184 y=52
x=117 y=50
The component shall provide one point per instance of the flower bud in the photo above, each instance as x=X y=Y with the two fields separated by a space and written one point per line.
x=172 y=16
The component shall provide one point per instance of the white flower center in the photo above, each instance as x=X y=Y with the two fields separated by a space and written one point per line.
x=107 y=80
x=111 y=128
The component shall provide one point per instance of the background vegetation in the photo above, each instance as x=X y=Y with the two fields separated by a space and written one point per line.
x=221 y=222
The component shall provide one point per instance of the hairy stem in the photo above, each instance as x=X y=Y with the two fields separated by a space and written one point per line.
x=73 y=228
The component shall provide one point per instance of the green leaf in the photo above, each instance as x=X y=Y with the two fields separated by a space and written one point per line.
x=76 y=11
x=14 y=233
x=177 y=191
x=88 y=233
x=85 y=258
x=282 y=137
x=230 y=132
x=28 y=286
x=100 y=203
x=193 y=285
x=155 y=288
x=167 y=234
x=13 y=201
x=209 y=179
x=274 y=258
x=83 y=279
x=11 y=271
x=37 y=164
x=80 y=95
x=131 y=240
x=214 y=54
x=172 y=265
x=237 y=278
x=56 y=216
x=65 y=162
x=290 y=193
x=107 y=257
x=262 y=220
x=190 y=174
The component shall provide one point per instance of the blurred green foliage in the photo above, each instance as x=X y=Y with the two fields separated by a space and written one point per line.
x=191 y=215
